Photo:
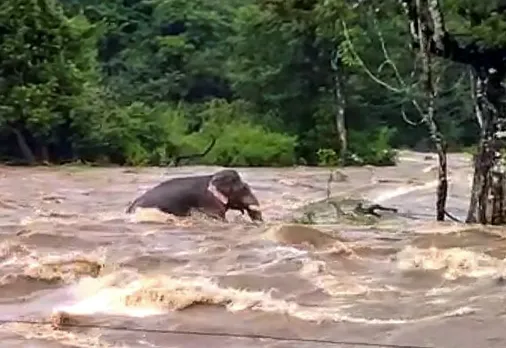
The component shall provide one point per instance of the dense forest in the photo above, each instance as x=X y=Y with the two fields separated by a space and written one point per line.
x=275 y=82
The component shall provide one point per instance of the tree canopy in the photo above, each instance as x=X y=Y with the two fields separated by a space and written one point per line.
x=140 y=82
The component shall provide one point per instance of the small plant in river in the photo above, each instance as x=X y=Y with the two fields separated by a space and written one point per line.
x=307 y=218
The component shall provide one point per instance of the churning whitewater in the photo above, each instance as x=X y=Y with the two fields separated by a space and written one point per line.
x=68 y=249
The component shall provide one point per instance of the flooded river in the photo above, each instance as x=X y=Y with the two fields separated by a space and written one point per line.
x=66 y=246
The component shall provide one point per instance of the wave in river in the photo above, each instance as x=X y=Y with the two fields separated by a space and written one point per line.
x=131 y=294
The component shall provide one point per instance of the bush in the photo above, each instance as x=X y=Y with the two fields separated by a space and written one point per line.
x=327 y=157
x=371 y=147
x=240 y=142
x=243 y=144
x=138 y=134
x=135 y=134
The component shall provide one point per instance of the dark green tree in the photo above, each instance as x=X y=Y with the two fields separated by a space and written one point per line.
x=47 y=69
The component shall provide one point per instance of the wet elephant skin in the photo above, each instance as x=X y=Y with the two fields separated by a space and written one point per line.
x=211 y=194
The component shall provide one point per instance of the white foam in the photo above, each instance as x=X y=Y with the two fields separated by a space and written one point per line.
x=399 y=191
x=105 y=302
x=109 y=299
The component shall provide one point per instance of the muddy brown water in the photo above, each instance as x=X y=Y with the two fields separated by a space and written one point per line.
x=66 y=246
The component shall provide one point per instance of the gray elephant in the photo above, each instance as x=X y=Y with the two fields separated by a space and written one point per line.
x=213 y=195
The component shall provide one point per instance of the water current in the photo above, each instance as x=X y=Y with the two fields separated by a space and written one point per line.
x=66 y=246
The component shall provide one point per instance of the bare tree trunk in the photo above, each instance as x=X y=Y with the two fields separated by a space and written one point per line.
x=489 y=171
x=478 y=205
x=340 y=116
x=44 y=153
x=442 y=187
x=23 y=146
x=473 y=215
x=488 y=64
x=340 y=101
x=478 y=179
x=498 y=170
x=479 y=201
x=498 y=198
x=436 y=136
x=483 y=169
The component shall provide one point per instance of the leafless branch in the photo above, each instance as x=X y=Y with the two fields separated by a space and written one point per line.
x=477 y=111
x=363 y=65
x=390 y=62
x=456 y=85
x=407 y=120
x=386 y=54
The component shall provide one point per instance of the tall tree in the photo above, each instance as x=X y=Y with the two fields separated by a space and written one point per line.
x=480 y=44
x=426 y=107
x=47 y=62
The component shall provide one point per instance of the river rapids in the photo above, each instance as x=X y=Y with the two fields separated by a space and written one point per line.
x=67 y=248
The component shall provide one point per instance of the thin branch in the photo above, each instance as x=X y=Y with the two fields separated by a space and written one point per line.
x=389 y=60
x=362 y=64
x=477 y=111
x=382 y=65
x=407 y=120
x=457 y=84
x=439 y=24
x=379 y=81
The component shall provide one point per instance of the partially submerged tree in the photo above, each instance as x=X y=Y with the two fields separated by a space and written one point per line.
x=437 y=137
x=429 y=76
x=305 y=63
x=481 y=45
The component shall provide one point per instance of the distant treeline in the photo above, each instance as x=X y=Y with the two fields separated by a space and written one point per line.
x=143 y=82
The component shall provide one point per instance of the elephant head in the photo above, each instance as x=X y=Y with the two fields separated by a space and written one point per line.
x=228 y=187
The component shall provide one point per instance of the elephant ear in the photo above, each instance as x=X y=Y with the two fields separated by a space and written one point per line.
x=217 y=194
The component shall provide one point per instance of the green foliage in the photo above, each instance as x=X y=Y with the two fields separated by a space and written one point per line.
x=241 y=142
x=327 y=157
x=48 y=63
x=479 y=21
x=142 y=82
x=372 y=147
x=143 y=135
x=244 y=144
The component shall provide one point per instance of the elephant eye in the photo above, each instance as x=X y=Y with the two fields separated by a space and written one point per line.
x=241 y=186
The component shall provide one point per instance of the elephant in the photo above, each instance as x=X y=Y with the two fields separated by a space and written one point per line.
x=212 y=194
